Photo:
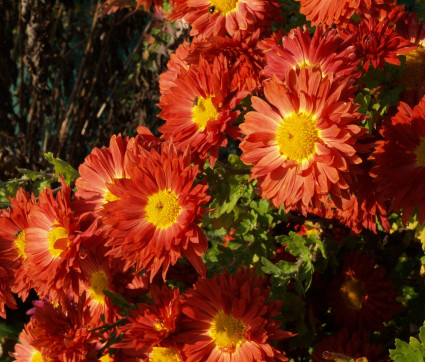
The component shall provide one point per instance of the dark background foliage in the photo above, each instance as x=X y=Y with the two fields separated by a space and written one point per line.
x=71 y=76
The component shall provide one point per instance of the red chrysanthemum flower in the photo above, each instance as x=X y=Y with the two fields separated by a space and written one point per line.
x=301 y=145
x=329 y=12
x=198 y=110
x=346 y=345
x=400 y=160
x=52 y=247
x=228 y=318
x=64 y=334
x=155 y=220
x=25 y=351
x=378 y=43
x=326 y=51
x=238 y=18
x=152 y=325
x=363 y=295
x=413 y=79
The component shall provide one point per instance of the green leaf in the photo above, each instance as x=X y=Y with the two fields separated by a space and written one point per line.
x=63 y=168
x=414 y=351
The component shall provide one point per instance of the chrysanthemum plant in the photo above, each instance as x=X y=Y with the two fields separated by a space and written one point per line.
x=276 y=214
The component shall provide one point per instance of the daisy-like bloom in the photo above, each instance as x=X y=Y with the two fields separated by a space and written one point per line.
x=329 y=12
x=64 y=334
x=400 y=160
x=155 y=220
x=347 y=345
x=228 y=318
x=52 y=247
x=153 y=324
x=198 y=110
x=25 y=351
x=363 y=295
x=13 y=223
x=216 y=17
x=300 y=142
x=378 y=43
x=326 y=51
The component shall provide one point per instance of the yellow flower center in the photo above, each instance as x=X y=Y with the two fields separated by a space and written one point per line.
x=352 y=293
x=164 y=354
x=38 y=357
x=227 y=332
x=109 y=196
x=223 y=7
x=414 y=71
x=98 y=283
x=420 y=153
x=163 y=209
x=57 y=240
x=203 y=112
x=106 y=358
x=20 y=243
x=296 y=136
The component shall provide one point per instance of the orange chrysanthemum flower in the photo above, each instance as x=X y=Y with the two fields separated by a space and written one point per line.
x=400 y=160
x=198 y=110
x=155 y=220
x=326 y=51
x=363 y=295
x=64 y=334
x=329 y=12
x=238 y=18
x=25 y=351
x=228 y=318
x=301 y=144
x=378 y=43
x=346 y=345
x=152 y=324
x=52 y=247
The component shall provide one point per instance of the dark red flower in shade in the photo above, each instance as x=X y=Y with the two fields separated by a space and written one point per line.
x=400 y=160
x=228 y=318
x=363 y=296
x=25 y=351
x=64 y=334
x=300 y=141
x=198 y=110
x=155 y=220
x=53 y=243
x=238 y=18
x=325 y=51
x=346 y=345
x=378 y=43
x=152 y=324
x=329 y=12
x=413 y=78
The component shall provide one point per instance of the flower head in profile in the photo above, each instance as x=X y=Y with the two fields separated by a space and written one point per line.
x=400 y=160
x=25 y=351
x=363 y=295
x=300 y=141
x=155 y=220
x=378 y=43
x=238 y=18
x=198 y=111
x=229 y=318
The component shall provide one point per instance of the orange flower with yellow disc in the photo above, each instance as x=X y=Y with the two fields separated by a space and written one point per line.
x=301 y=141
x=155 y=220
x=228 y=318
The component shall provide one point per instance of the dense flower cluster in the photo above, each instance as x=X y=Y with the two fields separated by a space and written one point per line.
x=119 y=265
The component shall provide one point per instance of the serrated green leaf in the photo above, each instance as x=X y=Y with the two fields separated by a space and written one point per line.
x=270 y=268
x=414 y=351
